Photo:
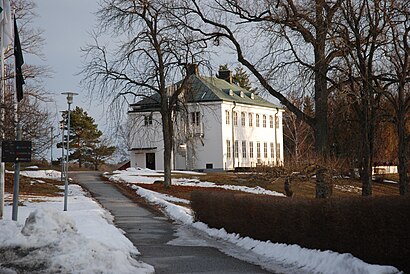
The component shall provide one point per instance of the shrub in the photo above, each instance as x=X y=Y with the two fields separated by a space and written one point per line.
x=375 y=229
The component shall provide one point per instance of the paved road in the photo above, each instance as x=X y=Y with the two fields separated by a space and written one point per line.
x=150 y=233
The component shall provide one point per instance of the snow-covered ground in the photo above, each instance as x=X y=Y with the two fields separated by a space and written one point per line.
x=276 y=257
x=45 y=239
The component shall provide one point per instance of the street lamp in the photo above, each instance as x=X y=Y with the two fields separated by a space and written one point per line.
x=62 y=127
x=70 y=96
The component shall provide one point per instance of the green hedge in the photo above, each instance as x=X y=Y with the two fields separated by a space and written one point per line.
x=375 y=229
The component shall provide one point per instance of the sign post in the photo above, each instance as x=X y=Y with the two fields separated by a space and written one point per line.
x=16 y=152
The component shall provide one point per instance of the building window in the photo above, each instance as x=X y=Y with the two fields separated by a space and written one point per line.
x=272 y=152
x=243 y=149
x=277 y=121
x=277 y=151
x=257 y=120
x=271 y=121
x=227 y=117
x=264 y=120
x=251 y=149
x=228 y=148
x=235 y=118
x=195 y=117
x=258 y=150
x=236 y=149
x=265 y=150
x=243 y=120
x=148 y=120
x=250 y=117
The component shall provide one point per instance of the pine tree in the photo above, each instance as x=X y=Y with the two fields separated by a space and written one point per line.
x=84 y=135
x=99 y=153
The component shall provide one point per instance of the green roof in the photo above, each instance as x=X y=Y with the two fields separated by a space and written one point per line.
x=212 y=89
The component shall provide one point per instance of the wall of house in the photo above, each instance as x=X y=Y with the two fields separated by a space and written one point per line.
x=205 y=150
x=146 y=136
x=202 y=145
x=265 y=133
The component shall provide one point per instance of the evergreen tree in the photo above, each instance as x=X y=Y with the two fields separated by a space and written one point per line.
x=99 y=153
x=84 y=135
x=240 y=77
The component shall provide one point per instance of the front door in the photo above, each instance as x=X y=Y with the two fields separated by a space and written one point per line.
x=150 y=160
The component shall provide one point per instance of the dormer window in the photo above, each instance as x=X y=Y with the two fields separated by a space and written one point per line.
x=147 y=120
x=252 y=96
x=230 y=92
x=241 y=94
x=195 y=118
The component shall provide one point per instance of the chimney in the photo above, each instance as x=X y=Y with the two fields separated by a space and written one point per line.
x=192 y=69
x=225 y=75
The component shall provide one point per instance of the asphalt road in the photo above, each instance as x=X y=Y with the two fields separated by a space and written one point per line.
x=150 y=233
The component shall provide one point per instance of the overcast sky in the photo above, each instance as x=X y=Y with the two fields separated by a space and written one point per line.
x=66 y=24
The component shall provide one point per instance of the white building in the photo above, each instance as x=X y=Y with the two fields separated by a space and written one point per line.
x=221 y=127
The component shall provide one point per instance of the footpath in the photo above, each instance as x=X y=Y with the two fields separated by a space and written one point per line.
x=150 y=233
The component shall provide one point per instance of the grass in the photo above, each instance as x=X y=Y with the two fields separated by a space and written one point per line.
x=30 y=186
x=301 y=187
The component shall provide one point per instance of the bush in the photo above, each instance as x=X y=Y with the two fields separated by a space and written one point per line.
x=375 y=229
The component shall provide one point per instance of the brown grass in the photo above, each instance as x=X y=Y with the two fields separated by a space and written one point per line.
x=26 y=187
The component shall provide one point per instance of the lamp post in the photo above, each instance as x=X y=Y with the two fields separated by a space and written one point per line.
x=70 y=96
x=62 y=126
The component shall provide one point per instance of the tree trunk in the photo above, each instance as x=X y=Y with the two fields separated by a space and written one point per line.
x=321 y=102
x=367 y=130
x=402 y=153
x=167 y=129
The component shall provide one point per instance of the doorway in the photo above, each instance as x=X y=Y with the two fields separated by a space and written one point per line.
x=150 y=160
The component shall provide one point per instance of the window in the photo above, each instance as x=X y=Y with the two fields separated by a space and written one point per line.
x=250 y=117
x=264 y=120
x=243 y=120
x=243 y=149
x=277 y=121
x=272 y=152
x=257 y=120
x=227 y=117
x=258 y=150
x=235 y=118
x=251 y=149
x=277 y=151
x=236 y=149
x=265 y=150
x=195 y=118
x=271 y=121
x=228 y=148
x=148 y=120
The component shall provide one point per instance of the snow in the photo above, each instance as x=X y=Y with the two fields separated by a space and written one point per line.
x=83 y=239
x=276 y=257
x=46 y=174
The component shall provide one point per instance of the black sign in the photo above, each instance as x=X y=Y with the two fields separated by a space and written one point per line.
x=16 y=151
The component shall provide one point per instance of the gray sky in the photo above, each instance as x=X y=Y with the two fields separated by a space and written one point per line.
x=66 y=24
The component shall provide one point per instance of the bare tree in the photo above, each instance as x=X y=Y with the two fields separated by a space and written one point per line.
x=298 y=135
x=291 y=34
x=363 y=32
x=32 y=106
x=153 y=53
x=395 y=82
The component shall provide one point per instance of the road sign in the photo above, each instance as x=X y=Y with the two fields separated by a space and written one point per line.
x=16 y=151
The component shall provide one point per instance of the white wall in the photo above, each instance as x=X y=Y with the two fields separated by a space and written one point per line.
x=252 y=133
x=211 y=147
x=209 y=150
x=146 y=136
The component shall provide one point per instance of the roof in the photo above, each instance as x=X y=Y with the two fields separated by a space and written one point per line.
x=209 y=89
